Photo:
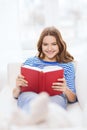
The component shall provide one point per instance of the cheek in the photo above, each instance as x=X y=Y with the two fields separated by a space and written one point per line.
x=44 y=48
x=57 y=49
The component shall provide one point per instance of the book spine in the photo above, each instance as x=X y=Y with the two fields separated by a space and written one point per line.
x=41 y=81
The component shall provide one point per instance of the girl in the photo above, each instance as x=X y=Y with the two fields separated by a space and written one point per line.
x=52 y=50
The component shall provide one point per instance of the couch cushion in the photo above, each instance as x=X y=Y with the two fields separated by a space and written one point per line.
x=81 y=81
x=75 y=114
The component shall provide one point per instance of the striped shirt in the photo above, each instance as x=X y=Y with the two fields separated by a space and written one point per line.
x=69 y=70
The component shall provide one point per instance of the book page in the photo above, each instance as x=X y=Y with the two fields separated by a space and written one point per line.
x=31 y=67
x=51 y=68
x=45 y=69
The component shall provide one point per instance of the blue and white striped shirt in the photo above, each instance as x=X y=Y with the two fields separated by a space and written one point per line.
x=69 y=71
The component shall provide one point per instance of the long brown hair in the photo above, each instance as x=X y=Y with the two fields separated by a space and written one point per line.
x=63 y=55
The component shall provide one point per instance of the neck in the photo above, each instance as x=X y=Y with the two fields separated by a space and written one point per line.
x=50 y=59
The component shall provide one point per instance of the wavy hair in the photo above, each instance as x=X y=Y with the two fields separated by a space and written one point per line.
x=63 y=55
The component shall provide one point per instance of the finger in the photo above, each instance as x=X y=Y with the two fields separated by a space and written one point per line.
x=58 y=89
x=20 y=76
x=21 y=79
x=61 y=80
x=21 y=83
x=57 y=84
x=24 y=84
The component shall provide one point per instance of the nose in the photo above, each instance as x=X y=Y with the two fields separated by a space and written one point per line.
x=49 y=47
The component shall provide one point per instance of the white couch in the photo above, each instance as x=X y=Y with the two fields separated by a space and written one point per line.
x=74 y=118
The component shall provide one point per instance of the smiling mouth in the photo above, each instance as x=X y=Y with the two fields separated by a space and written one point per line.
x=50 y=52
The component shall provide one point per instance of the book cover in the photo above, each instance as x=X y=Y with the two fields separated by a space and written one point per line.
x=41 y=79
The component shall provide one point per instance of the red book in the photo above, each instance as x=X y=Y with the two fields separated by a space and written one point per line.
x=41 y=79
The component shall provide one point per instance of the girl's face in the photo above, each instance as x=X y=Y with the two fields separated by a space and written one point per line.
x=50 y=48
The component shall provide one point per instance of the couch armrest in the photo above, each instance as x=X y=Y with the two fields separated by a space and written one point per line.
x=13 y=69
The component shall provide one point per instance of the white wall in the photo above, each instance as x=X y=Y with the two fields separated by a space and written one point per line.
x=10 y=49
x=15 y=37
x=9 y=30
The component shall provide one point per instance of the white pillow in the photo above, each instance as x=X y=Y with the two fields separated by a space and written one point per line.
x=81 y=81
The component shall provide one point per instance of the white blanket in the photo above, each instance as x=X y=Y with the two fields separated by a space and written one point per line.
x=57 y=117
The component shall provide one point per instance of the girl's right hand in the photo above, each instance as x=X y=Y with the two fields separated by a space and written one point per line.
x=20 y=81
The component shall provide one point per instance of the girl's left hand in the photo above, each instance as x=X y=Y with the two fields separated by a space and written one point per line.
x=60 y=85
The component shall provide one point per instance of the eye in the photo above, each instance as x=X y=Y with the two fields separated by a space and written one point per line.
x=45 y=44
x=54 y=43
